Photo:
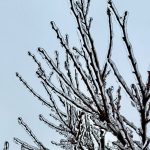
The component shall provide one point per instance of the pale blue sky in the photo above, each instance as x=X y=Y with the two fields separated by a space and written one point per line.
x=24 y=26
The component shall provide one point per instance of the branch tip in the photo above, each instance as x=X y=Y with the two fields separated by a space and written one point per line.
x=29 y=53
x=17 y=74
x=40 y=117
x=19 y=120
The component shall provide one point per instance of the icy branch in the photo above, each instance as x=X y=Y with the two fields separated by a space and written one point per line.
x=25 y=145
x=31 y=134
x=129 y=46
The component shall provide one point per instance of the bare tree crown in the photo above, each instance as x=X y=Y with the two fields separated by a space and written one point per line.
x=85 y=117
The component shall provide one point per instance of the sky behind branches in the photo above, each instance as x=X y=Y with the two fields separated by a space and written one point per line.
x=25 y=26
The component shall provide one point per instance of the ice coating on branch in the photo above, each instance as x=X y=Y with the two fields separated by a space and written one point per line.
x=83 y=116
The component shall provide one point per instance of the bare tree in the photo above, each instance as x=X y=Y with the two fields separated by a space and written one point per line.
x=85 y=117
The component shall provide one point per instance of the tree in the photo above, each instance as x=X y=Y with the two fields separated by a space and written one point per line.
x=85 y=117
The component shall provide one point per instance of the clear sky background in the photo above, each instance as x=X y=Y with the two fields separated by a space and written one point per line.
x=24 y=26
